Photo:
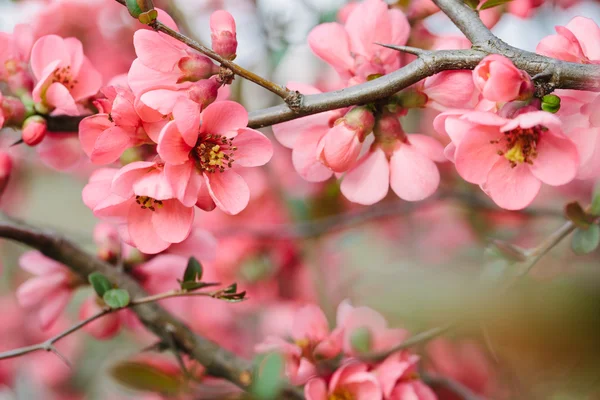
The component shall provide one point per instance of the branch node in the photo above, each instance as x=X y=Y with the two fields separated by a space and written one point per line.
x=294 y=100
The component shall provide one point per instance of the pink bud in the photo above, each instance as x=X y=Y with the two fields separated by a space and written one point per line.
x=205 y=92
x=499 y=80
x=340 y=147
x=388 y=128
x=196 y=67
x=34 y=130
x=6 y=166
x=222 y=34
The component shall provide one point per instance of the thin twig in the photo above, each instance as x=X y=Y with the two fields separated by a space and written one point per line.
x=454 y=386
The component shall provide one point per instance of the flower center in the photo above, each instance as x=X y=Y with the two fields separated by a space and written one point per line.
x=63 y=75
x=520 y=144
x=341 y=394
x=148 y=203
x=214 y=153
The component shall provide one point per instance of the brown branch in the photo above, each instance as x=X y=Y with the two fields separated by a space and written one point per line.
x=218 y=361
x=454 y=386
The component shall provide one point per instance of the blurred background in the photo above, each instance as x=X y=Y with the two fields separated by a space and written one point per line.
x=421 y=265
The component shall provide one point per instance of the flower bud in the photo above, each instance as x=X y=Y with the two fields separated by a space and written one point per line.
x=551 y=103
x=205 y=92
x=6 y=166
x=388 y=129
x=340 y=147
x=196 y=67
x=139 y=7
x=34 y=130
x=223 y=34
x=499 y=80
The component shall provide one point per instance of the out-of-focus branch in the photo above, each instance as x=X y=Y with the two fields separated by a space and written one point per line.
x=456 y=387
x=218 y=361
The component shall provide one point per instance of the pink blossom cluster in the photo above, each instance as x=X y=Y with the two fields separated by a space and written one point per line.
x=329 y=361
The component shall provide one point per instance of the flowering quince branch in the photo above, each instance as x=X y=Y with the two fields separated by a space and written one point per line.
x=48 y=345
x=218 y=361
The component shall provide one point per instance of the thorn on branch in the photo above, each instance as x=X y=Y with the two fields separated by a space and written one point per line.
x=406 y=49
x=50 y=347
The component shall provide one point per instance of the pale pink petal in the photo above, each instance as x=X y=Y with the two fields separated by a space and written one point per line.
x=287 y=133
x=588 y=34
x=511 y=188
x=173 y=221
x=557 y=160
x=142 y=78
x=155 y=52
x=364 y=386
x=90 y=128
x=186 y=114
x=179 y=176
x=343 y=311
x=171 y=146
x=253 y=148
x=154 y=184
x=36 y=263
x=340 y=147
x=58 y=96
x=205 y=201
x=310 y=323
x=123 y=110
x=125 y=178
x=475 y=155
x=161 y=100
x=47 y=49
x=330 y=42
x=142 y=231
x=45 y=80
x=60 y=151
x=410 y=390
x=223 y=118
x=315 y=389
x=53 y=306
x=89 y=81
x=532 y=119
x=413 y=176
x=368 y=24
x=110 y=145
x=368 y=182
x=201 y=244
x=75 y=49
x=304 y=156
x=427 y=146
x=36 y=290
x=228 y=190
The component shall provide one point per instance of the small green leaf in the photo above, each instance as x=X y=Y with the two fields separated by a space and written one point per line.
x=146 y=378
x=577 y=214
x=586 y=240
x=100 y=283
x=361 y=339
x=269 y=377
x=191 y=286
x=472 y=3
x=493 y=3
x=116 y=298
x=234 y=297
x=231 y=289
x=595 y=206
x=193 y=271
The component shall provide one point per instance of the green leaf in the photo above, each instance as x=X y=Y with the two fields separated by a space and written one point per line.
x=116 y=298
x=146 y=378
x=269 y=377
x=577 y=214
x=361 y=339
x=586 y=240
x=193 y=271
x=231 y=289
x=100 y=283
x=472 y=3
x=191 y=286
x=493 y=3
x=595 y=206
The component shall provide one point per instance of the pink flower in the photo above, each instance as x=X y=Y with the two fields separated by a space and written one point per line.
x=222 y=34
x=404 y=162
x=6 y=166
x=201 y=164
x=139 y=197
x=510 y=158
x=399 y=379
x=351 y=381
x=352 y=49
x=449 y=89
x=104 y=328
x=50 y=291
x=370 y=325
x=499 y=80
x=64 y=75
x=304 y=135
x=105 y=136
x=524 y=8
x=15 y=50
x=340 y=146
x=578 y=41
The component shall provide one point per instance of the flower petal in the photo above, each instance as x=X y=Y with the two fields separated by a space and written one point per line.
x=171 y=146
x=173 y=221
x=511 y=188
x=368 y=182
x=223 y=118
x=253 y=148
x=228 y=190
x=413 y=176
x=557 y=160
x=142 y=231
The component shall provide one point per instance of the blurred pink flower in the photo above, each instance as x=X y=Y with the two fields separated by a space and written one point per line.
x=351 y=381
x=399 y=378
x=50 y=291
x=64 y=75
x=15 y=49
x=103 y=328
x=578 y=41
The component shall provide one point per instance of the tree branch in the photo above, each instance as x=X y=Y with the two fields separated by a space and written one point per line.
x=454 y=386
x=218 y=361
